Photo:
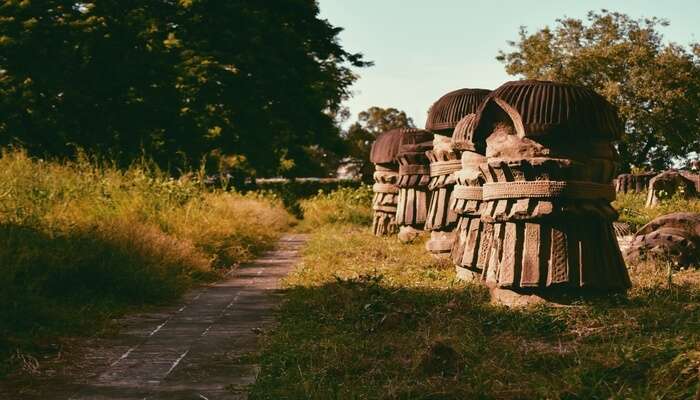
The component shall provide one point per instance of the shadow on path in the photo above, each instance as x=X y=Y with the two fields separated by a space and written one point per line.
x=195 y=350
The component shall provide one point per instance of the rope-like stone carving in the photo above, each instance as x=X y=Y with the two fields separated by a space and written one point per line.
x=385 y=188
x=413 y=179
x=548 y=189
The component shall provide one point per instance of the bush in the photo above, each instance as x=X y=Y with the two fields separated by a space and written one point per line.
x=80 y=242
x=344 y=206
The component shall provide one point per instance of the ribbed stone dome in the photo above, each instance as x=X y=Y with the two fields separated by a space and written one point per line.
x=446 y=112
x=462 y=138
x=545 y=108
x=385 y=147
x=415 y=141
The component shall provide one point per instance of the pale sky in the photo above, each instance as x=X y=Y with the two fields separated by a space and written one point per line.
x=423 y=49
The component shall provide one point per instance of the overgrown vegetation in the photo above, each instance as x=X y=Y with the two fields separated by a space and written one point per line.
x=81 y=242
x=293 y=192
x=632 y=210
x=345 y=205
x=368 y=317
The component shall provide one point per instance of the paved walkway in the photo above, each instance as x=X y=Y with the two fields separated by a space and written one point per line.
x=198 y=350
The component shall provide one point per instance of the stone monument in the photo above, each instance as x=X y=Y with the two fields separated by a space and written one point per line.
x=414 y=176
x=547 y=192
x=443 y=117
x=386 y=176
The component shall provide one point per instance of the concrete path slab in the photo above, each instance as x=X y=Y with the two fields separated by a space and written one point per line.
x=198 y=350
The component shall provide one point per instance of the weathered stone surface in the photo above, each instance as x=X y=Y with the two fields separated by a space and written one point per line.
x=671 y=238
x=441 y=218
x=386 y=176
x=633 y=183
x=670 y=183
x=472 y=237
x=550 y=164
x=443 y=117
x=621 y=229
x=414 y=176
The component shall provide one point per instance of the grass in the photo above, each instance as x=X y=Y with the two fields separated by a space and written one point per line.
x=371 y=318
x=81 y=243
x=345 y=205
x=632 y=210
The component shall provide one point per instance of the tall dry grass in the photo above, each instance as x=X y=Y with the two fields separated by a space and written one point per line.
x=81 y=242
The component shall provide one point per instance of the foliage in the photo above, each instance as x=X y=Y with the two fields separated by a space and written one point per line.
x=342 y=206
x=291 y=192
x=633 y=212
x=656 y=86
x=175 y=80
x=370 y=123
x=371 y=318
x=82 y=242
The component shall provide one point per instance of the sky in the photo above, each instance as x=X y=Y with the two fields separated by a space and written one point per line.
x=423 y=49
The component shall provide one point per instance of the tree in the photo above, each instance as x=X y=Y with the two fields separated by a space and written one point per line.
x=178 y=80
x=656 y=86
x=370 y=123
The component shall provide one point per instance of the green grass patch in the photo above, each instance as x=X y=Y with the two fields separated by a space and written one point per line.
x=342 y=206
x=632 y=210
x=81 y=243
x=371 y=318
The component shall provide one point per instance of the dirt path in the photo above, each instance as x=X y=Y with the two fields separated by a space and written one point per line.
x=196 y=350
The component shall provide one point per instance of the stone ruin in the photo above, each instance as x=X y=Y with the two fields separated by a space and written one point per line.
x=673 y=238
x=414 y=176
x=472 y=243
x=444 y=159
x=670 y=183
x=547 y=190
x=633 y=183
x=386 y=176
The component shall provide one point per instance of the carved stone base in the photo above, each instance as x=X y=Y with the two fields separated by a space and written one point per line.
x=408 y=234
x=467 y=275
x=440 y=244
x=384 y=224
x=512 y=299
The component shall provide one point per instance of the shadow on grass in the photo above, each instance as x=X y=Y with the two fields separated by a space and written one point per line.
x=73 y=283
x=366 y=338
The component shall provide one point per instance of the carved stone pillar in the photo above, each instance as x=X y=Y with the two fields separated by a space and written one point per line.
x=386 y=176
x=443 y=117
x=547 y=190
x=414 y=175
x=472 y=241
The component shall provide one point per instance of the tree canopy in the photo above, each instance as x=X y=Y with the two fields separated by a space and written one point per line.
x=655 y=85
x=176 y=80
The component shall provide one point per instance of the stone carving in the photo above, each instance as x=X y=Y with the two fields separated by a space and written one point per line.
x=669 y=183
x=414 y=176
x=472 y=242
x=671 y=238
x=386 y=176
x=443 y=117
x=547 y=191
x=633 y=183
